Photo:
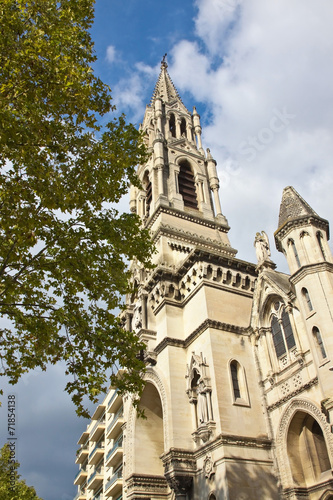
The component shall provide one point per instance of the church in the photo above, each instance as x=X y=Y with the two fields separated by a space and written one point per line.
x=239 y=381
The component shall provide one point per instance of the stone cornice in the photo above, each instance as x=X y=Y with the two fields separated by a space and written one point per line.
x=311 y=269
x=208 y=323
x=144 y=483
x=288 y=226
x=213 y=224
x=293 y=394
x=187 y=237
x=198 y=255
x=232 y=440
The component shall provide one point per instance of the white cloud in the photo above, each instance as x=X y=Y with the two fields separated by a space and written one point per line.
x=111 y=53
x=255 y=59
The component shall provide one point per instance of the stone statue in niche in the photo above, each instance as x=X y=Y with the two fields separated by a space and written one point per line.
x=137 y=316
x=261 y=244
x=199 y=390
x=202 y=403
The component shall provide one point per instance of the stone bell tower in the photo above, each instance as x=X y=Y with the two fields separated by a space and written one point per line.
x=193 y=312
x=179 y=181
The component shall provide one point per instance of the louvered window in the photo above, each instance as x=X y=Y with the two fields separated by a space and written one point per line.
x=148 y=197
x=187 y=186
x=172 y=125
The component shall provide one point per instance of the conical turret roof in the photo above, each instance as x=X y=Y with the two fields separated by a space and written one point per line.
x=293 y=206
x=293 y=210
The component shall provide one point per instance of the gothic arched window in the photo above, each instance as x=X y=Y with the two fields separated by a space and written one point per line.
x=187 y=186
x=239 y=390
x=148 y=187
x=172 y=125
x=320 y=243
x=282 y=332
x=183 y=127
x=234 y=379
x=307 y=299
x=319 y=342
x=293 y=246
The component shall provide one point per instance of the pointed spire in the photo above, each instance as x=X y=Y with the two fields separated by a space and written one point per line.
x=164 y=88
x=293 y=207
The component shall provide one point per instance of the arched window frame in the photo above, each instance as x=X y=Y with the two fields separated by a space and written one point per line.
x=172 y=125
x=319 y=237
x=307 y=300
x=307 y=450
x=238 y=384
x=283 y=335
x=183 y=127
x=295 y=253
x=321 y=351
x=148 y=194
x=186 y=185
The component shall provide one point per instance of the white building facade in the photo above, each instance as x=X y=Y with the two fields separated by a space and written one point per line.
x=239 y=381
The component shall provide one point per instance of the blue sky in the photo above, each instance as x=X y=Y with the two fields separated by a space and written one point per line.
x=261 y=76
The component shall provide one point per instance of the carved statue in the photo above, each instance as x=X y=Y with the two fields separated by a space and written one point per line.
x=137 y=317
x=261 y=244
x=202 y=404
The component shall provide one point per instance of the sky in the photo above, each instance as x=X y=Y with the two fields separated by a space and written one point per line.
x=261 y=77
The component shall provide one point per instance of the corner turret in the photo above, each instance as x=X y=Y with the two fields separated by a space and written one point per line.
x=302 y=234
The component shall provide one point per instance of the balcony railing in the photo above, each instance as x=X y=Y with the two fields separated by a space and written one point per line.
x=100 y=444
x=100 y=470
x=119 y=414
x=116 y=445
x=84 y=469
x=100 y=421
x=117 y=475
x=112 y=399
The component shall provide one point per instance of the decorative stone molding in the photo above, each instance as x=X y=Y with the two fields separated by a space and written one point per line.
x=327 y=408
x=209 y=467
x=179 y=469
x=230 y=440
x=208 y=323
x=141 y=485
x=311 y=269
x=204 y=433
x=293 y=394
x=306 y=406
x=182 y=215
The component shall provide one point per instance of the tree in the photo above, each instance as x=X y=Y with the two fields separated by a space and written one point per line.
x=64 y=247
x=11 y=487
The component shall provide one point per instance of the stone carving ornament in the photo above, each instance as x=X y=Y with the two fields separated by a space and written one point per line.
x=209 y=467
